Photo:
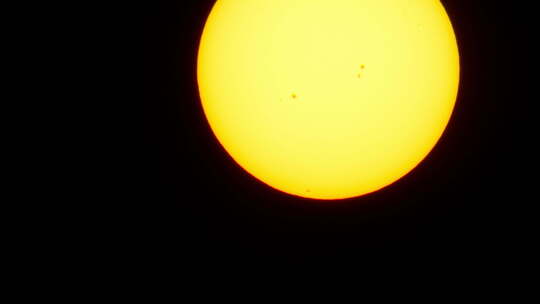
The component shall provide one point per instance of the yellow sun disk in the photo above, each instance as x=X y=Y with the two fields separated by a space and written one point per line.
x=328 y=99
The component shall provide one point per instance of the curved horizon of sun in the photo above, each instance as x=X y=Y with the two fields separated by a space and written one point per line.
x=328 y=99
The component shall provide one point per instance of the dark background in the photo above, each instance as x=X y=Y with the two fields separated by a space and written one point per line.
x=463 y=200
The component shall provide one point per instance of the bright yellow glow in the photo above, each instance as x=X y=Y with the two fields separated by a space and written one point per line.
x=328 y=99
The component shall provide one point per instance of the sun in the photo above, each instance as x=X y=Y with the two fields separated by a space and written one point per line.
x=328 y=99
